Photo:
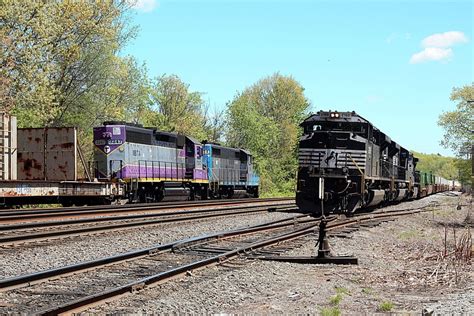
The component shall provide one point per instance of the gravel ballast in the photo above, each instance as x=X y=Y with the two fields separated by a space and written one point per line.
x=28 y=259
x=400 y=270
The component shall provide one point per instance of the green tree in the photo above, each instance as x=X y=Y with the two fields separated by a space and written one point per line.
x=445 y=167
x=264 y=119
x=215 y=124
x=459 y=126
x=60 y=60
x=61 y=67
x=175 y=108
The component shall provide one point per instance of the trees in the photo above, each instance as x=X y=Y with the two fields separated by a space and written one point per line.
x=264 y=119
x=215 y=124
x=175 y=108
x=459 y=124
x=441 y=166
x=459 y=127
x=60 y=63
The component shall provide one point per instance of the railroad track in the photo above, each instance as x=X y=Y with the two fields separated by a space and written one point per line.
x=9 y=216
x=26 y=233
x=77 y=287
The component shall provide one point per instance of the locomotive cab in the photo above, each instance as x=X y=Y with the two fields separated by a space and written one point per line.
x=357 y=165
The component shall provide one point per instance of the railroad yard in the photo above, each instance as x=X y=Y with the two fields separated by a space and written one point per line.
x=236 y=157
x=206 y=259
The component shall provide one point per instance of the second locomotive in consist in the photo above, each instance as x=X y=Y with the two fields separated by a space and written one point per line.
x=158 y=165
x=351 y=164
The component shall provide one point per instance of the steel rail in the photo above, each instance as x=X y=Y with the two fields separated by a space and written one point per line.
x=383 y=214
x=10 y=227
x=28 y=238
x=138 y=207
x=92 y=300
x=88 y=301
x=33 y=278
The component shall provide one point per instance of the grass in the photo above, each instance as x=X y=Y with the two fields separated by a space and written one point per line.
x=336 y=299
x=367 y=291
x=330 y=311
x=266 y=195
x=342 y=290
x=385 y=306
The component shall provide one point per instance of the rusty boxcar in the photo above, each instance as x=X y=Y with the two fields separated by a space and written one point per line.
x=40 y=165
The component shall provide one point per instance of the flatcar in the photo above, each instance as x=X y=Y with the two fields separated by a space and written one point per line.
x=346 y=163
x=157 y=165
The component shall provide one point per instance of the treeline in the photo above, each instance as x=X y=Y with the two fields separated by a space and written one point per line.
x=61 y=67
x=458 y=128
x=446 y=167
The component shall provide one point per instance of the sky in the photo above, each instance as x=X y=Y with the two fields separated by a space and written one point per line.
x=393 y=62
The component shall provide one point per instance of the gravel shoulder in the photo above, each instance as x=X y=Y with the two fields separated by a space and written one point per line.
x=402 y=269
x=37 y=257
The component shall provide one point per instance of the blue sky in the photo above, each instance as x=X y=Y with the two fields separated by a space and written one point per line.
x=393 y=62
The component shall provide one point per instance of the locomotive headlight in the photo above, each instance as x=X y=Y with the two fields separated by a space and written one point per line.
x=336 y=115
x=332 y=115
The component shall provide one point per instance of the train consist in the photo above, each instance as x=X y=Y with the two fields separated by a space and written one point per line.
x=131 y=163
x=346 y=163
x=156 y=166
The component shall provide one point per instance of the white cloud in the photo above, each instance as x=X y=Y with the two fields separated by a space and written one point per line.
x=446 y=39
x=431 y=53
x=437 y=47
x=143 y=5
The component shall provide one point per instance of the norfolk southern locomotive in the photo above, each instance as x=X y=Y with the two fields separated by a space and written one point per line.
x=351 y=164
x=156 y=165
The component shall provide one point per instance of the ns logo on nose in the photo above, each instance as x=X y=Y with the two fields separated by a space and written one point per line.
x=330 y=157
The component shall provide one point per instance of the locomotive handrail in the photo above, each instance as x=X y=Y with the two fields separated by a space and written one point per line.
x=392 y=170
x=227 y=175
x=168 y=166
x=355 y=163
x=172 y=171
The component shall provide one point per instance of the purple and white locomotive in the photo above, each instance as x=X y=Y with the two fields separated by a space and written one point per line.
x=158 y=165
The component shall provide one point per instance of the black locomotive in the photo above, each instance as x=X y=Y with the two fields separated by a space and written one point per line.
x=346 y=163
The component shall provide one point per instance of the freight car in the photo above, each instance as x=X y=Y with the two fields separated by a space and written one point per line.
x=39 y=165
x=156 y=166
x=346 y=163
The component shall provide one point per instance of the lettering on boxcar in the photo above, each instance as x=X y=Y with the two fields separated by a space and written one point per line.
x=23 y=189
